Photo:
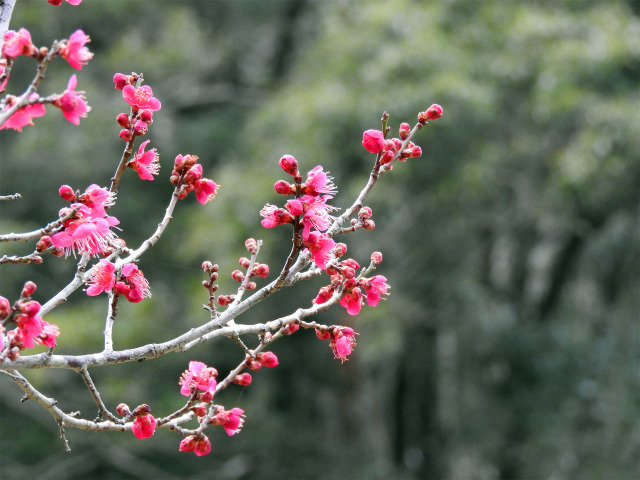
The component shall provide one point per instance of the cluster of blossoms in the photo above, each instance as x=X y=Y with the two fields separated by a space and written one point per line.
x=72 y=103
x=390 y=149
x=31 y=329
x=142 y=103
x=130 y=282
x=88 y=226
x=187 y=174
x=198 y=383
x=308 y=211
x=343 y=276
x=343 y=340
x=57 y=3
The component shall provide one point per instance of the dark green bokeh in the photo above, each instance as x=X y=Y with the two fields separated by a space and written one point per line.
x=509 y=345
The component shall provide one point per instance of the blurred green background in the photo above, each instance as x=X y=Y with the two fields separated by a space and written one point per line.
x=508 y=348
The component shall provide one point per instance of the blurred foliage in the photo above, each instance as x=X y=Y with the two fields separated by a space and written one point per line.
x=509 y=346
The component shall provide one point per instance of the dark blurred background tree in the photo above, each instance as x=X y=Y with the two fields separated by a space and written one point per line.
x=509 y=346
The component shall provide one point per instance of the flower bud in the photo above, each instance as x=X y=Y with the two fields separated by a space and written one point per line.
x=432 y=113
x=146 y=116
x=373 y=141
x=199 y=410
x=237 y=275
x=267 y=359
x=322 y=334
x=43 y=243
x=140 y=127
x=284 y=188
x=31 y=308
x=405 y=128
x=243 y=379
x=5 y=308
x=387 y=157
x=368 y=224
x=254 y=365
x=340 y=249
x=194 y=174
x=120 y=80
x=67 y=193
x=207 y=266
x=252 y=245
x=263 y=270
x=252 y=285
x=416 y=151
x=376 y=258
x=244 y=262
x=289 y=164
x=365 y=212
x=28 y=289
x=123 y=120
x=126 y=135
x=225 y=300
x=291 y=329
x=123 y=410
x=205 y=397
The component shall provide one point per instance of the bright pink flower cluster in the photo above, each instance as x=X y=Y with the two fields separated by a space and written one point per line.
x=309 y=209
x=231 y=420
x=142 y=103
x=188 y=175
x=31 y=329
x=132 y=284
x=72 y=103
x=88 y=230
x=144 y=424
x=343 y=275
x=198 y=444
x=343 y=340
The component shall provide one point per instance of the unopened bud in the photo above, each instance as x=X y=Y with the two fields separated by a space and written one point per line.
x=126 y=135
x=244 y=262
x=199 y=410
x=207 y=266
x=237 y=275
x=291 y=329
x=31 y=308
x=289 y=164
x=141 y=127
x=322 y=334
x=405 y=128
x=267 y=359
x=123 y=410
x=243 y=379
x=123 y=120
x=254 y=365
x=252 y=245
x=67 y=193
x=43 y=243
x=376 y=258
x=28 y=289
x=368 y=224
x=120 y=80
x=224 y=300
x=146 y=116
x=365 y=212
x=5 y=308
x=340 y=249
x=284 y=188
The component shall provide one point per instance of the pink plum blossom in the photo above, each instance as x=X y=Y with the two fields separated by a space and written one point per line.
x=231 y=420
x=206 y=190
x=75 y=52
x=144 y=426
x=102 y=278
x=24 y=115
x=57 y=3
x=316 y=214
x=145 y=163
x=84 y=232
x=72 y=103
x=352 y=301
x=374 y=288
x=274 y=216
x=319 y=182
x=198 y=376
x=18 y=43
x=343 y=342
x=138 y=284
x=320 y=247
x=141 y=97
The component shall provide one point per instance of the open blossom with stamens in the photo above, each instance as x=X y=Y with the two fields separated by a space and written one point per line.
x=343 y=342
x=274 y=216
x=145 y=163
x=316 y=214
x=84 y=232
x=24 y=115
x=75 y=52
x=352 y=301
x=138 y=284
x=141 y=97
x=72 y=103
x=198 y=376
x=206 y=190
x=98 y=199
x=374 y=287
x=231 y=420
x=319 y=182
x=102 y=278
